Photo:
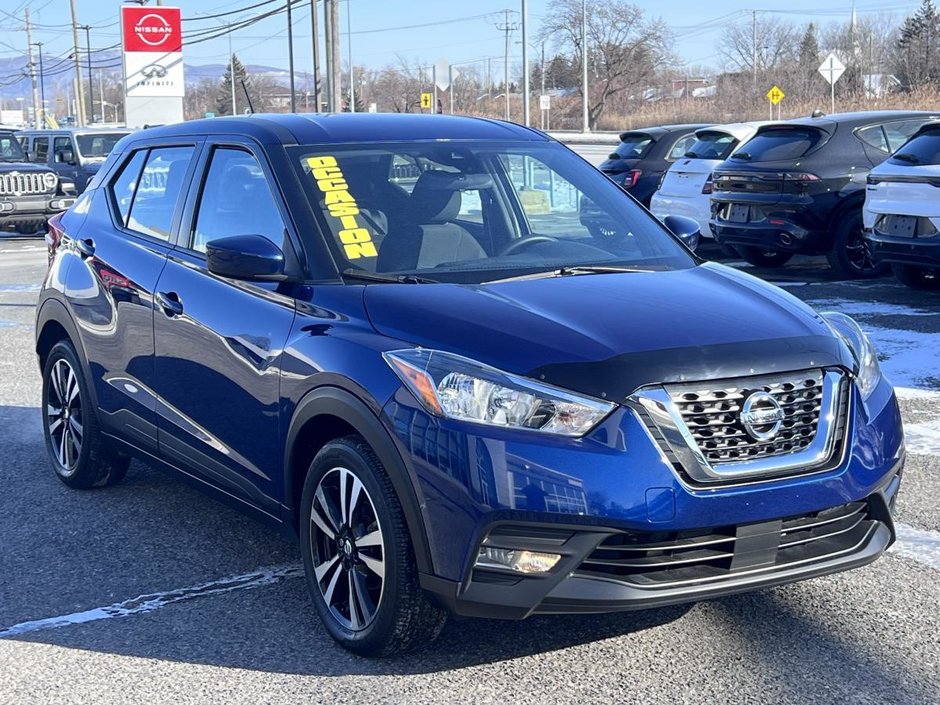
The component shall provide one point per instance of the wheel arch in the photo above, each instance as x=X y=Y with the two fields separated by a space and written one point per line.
x=330 y=412
x=854 y=201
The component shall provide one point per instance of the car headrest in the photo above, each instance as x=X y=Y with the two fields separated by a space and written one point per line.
x=436 y=195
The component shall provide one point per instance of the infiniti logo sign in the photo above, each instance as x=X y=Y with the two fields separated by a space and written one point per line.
x=762 y=416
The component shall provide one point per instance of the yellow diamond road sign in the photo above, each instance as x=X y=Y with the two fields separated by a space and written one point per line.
x=425 y=100
x=775 y=95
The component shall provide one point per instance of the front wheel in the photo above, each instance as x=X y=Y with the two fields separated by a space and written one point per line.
x=358 y=557
x=78 y=450
x=764 y=258
x=850 y=256
x=922 y=278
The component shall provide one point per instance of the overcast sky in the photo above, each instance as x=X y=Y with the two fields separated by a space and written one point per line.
x=696 y=24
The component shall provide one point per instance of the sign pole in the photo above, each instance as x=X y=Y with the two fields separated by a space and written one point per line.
x=832 y=90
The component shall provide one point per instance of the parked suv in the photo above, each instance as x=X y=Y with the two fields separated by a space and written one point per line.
x=686 y=187
x=643 y=156
x=29 y=193
x=902 y=212
x=74 y=154
x=502 y=406
x=799 y=187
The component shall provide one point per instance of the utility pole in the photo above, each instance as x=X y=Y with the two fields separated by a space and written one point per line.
x=585 y=124
x=290 y=55
x=91 y=84
x=315 y=33
x=450 y=80
x=507 y=28
x=336 y=80
x=525 y=63
x=78 y=67
x=352 y=71
x=754 y=46
x=328 y=41
x=42 y=86
x=32 y=70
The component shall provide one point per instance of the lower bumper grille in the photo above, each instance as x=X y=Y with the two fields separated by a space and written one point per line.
x=676 y=559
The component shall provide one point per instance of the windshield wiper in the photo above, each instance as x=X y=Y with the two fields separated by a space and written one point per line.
x=741 y=155
x=573 y=271
x=905 y=157
x=385 y=278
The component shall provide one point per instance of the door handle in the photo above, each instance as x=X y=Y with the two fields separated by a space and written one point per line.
x=170 y=303
x=86 y=248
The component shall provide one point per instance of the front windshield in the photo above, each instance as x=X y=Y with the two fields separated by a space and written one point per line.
x=10 y=149
x=472 y=212
x=97 y=145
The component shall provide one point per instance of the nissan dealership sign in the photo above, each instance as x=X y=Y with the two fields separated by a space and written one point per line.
x=153 y=64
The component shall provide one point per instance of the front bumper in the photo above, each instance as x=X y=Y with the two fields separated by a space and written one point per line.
x=28 y=214
x=578 y=497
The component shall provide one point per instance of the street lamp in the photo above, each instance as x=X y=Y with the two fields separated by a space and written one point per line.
x=91 y=85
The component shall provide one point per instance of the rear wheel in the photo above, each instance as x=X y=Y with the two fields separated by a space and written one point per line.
x=358 y=557
x=764 y=258
x=78 y=451
x=923 y=278
x=850 y=256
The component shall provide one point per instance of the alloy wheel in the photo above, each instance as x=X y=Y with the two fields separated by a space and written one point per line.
x=859 y=253
x=64 y=416
x=347 y=549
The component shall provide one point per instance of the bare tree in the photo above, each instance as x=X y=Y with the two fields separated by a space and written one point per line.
x=778 y=43
x=625 y=48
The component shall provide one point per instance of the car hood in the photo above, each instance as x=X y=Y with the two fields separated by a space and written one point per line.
x=22 y=168
x=608 y=334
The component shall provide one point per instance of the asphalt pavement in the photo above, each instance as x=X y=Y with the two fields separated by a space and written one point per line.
x=151 y=592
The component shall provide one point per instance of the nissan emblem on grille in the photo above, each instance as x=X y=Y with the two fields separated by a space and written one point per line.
x=762 y=416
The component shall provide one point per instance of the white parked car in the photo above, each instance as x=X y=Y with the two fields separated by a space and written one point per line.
x=902 y=210
x=686 y=188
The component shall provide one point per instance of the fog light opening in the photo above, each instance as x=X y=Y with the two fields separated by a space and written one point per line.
x=786 y=239
x=517 y=561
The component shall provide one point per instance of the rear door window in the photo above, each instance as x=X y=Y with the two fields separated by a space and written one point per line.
x=158 y=192
x=711 y=145
x=41 y=149
x=900 y=131
x=779 y=144
x=633 y=146
x=923 y=150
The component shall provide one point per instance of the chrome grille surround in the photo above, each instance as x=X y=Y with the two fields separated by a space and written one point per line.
x=699 y=428
x=16 y=183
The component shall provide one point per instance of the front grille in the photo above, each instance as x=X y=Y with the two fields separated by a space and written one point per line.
x=671 y=559
x=23 y=184
x=712 y=413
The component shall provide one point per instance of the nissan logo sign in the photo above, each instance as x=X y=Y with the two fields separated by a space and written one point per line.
x=153 y=30
x=762 y=416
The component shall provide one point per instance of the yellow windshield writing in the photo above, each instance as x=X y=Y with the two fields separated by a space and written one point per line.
x=356 y=240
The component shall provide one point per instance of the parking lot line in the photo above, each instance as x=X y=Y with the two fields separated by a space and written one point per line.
x=154 y=601
x=914 y=544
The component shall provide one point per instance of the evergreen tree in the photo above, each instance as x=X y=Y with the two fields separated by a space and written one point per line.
x=223 y=101
x=809 y=49
x=917 y=38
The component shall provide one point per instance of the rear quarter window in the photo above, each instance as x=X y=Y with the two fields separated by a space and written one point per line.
x=779 y=144
x=633 y=146
x=923 y=150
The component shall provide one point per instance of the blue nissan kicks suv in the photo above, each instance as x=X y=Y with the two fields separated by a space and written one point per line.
x=468 y=373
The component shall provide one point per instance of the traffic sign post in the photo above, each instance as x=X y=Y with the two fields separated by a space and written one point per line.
x=775 y=95
x=832 y=70
x=545 y=104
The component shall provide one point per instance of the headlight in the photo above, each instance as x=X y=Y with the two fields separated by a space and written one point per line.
x=49 y=180
x=869 y=373
x=455 y=387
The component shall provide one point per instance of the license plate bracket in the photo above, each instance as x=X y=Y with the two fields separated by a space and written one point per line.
x=738 y=213
x=899 y=226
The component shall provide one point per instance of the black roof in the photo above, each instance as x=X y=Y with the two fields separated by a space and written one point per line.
x=855 y=119
x=658 y=131
x=327 y=128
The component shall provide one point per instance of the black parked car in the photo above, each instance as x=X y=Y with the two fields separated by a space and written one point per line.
x=74 y=154
x=29 y=193
x=643 y=156
x=799 y=187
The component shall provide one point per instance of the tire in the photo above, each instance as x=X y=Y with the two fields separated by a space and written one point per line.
x=363 y=538
x=922 y=278
x=78 y=450
x=850 y=256
x=764 y=258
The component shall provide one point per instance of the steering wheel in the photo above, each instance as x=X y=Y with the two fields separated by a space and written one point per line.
x=522 y=243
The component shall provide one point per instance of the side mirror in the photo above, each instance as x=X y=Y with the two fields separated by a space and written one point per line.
x=685 y=229
x=65 y=156
x=248 y=257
